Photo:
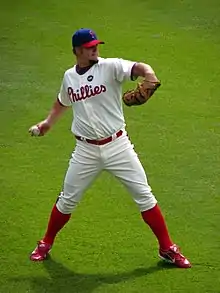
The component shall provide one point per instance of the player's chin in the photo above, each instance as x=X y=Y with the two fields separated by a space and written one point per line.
x=94 y=58
x=93 y=61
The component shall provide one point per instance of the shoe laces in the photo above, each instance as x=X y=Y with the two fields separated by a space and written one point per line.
x=176 y=250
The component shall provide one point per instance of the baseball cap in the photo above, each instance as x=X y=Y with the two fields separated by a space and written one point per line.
x=86 y=38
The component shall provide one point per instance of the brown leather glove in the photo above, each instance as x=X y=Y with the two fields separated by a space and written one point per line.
x=141 y=94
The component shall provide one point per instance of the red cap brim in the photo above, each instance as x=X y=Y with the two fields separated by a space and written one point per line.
x=92 y=43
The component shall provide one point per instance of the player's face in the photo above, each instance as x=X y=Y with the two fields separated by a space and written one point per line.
x=90 y=54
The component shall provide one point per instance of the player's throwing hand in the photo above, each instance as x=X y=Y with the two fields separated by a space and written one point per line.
x=40 y=129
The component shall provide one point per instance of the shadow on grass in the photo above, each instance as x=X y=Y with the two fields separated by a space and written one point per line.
x=61 y=279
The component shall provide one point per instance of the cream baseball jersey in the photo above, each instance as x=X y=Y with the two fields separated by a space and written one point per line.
x=96 y=97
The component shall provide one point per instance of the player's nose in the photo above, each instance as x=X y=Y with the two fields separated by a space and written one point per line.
x=94 y=49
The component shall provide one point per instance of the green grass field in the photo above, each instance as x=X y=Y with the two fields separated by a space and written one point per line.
x=106 y=247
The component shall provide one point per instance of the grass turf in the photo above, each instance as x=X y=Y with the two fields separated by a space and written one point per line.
x=106 y=247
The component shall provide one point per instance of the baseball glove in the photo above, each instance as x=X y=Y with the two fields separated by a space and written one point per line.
x=141 y=94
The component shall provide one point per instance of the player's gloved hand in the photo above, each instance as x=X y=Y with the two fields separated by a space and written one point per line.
x=141 y=94
x=39 y=129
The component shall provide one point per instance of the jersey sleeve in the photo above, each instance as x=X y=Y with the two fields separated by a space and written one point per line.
x=123 y=69
x=63 y=96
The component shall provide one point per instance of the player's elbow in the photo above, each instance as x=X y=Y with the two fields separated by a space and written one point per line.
x=143 y=70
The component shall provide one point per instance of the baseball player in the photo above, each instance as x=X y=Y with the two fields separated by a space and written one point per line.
x=93 y=88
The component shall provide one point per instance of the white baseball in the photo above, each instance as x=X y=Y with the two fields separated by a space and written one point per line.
x=34 y=130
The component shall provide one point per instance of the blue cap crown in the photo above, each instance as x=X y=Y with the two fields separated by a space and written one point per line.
x=86 y=38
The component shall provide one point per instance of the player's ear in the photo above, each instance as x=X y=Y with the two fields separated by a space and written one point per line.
x=77 y=51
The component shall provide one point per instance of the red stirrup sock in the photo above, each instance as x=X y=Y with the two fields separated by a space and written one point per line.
x=155 y=220
x=56 y=222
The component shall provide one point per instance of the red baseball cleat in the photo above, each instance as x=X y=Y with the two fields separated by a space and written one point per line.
x=174 y=256
x=41 y=251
